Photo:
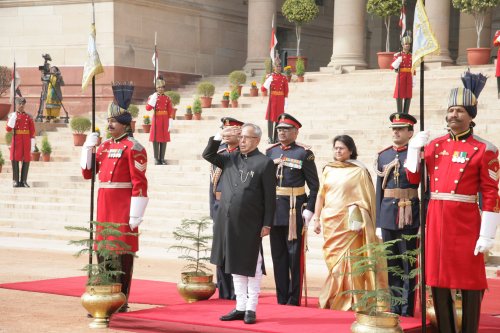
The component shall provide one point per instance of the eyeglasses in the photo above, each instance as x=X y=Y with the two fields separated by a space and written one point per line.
x=283 y=129
x=244 y=137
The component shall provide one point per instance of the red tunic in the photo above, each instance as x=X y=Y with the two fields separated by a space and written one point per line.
x=164 y=112
x=404 y=78
x=496 y=43
x=279 y=91
x=453 y=226
x=120 y=164
x=20 y=147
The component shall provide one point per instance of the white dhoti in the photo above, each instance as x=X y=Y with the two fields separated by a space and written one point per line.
x=247 y=288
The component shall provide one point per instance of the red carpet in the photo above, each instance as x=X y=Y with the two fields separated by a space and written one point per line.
x=177 y=316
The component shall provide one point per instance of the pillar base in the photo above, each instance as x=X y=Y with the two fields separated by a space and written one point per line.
x=255 y=68
x=347 y=62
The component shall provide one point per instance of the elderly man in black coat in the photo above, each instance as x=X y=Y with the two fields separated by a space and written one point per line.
x=245 y=215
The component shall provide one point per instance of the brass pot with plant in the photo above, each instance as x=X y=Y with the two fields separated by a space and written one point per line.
x=103 y=295
x=175 y=98
x=197 y=109
x=79 y=125
x=46 y=149
x=206 y=90
x=196 y=279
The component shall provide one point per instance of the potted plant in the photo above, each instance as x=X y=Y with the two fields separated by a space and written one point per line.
x=300 y=70
x=225 y=99
x=477 y=8
x=206 y=90
x=35 y=154
x=385 y=9
x=236 y=79
x=46 y=149
x=197 y=109
x=254 y=92
x=189 y=113
x=79 y=125
x=5 y=78
x=8 y=138
x=196 y=279
x=2 y=161
x=288 y=72
x=134 y=112
x=103 y=295
x=175 y=98
x=268 y=70
x=234 y=98
x=146 y=123
x=371 y=259
x=299 y=12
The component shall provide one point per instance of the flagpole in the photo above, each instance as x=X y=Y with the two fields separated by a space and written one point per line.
x=154 y=111
x=14 y=104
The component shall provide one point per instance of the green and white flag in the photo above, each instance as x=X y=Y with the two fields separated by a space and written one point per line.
x=93 y=64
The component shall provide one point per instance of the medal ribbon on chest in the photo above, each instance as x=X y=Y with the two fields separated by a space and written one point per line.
x=292 y=163
x=115 y=153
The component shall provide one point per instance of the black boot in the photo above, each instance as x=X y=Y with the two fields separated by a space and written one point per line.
x=156 y=148
x=15 y=174
x=24 y=174
x=399 y=104
x=127 y=263
x=406 y=108
x=163 y=149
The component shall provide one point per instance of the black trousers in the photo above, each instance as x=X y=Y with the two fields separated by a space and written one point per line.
x=127 y=263
x=286 y=261
x=225 y=284
x=445 y=310
x=408 y=294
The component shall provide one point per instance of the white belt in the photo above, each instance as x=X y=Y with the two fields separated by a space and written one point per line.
x=115 y=185
x=454 y=197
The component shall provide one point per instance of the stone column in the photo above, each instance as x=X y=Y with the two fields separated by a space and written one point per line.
x=468 y=36
x=348 y=34
x=439 y=18
x=260 y=16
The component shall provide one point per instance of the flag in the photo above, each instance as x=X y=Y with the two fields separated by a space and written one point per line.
x=155 y=63
x=402 y=19
x=424 y=41
x=15 y=77
x=93 y=64
x=274 y=41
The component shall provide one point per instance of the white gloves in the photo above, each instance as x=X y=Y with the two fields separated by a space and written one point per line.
x=286 y=102
x=170 y=125
x=91 y=140
x=267 y=83
x=307 y=216
x=395 y=64
x=33 y=144
x=12 y=120
x=489 y=222
x=152 y=100
x=416 y=143
x=378 y=233
x=355 y=218
x=413 y=81
x=137 y=208
x=498 y=40
x=86 y=155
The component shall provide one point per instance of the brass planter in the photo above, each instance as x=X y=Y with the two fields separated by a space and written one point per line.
x=431 y=312
x=101 y=302
x=382 y=322
x=195 y=288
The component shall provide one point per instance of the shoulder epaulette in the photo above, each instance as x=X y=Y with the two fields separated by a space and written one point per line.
x=272 y=146
x=221 y=150
x=137 y=146
x=306 y=147
x=489 y=146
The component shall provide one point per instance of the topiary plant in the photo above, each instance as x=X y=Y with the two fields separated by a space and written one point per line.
x=175 y=97
x=46 y=146
x=234 y=95
x=237 y=78
x=5 y=78
x=299 y=12
x=80 y=124
x=197 y=105
x=478 y=9
x=134 y=110
x=385 y=9
x=300 y=69
x=206 y=89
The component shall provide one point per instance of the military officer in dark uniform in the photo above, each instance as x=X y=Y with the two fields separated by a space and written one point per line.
x=230 y=144
x=294 y=168
x=397 y=205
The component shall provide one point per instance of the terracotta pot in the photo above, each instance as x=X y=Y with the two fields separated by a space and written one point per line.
x=264 y=92
x=239 y=90
x=197 y=116
x=225 y=103
x=289 y=78
x=206 y=102
x=234 y=104
x=385 y=59
x=45 y=157
x=132 y=125
x=300 y=78
x=478 y=56
x=4 y=110
x=291 y=61
x=79 y=139
x=196 y=287
x=188 y=116
x=35 y=156
x=254 y=92
x=146 y=128
x=101 y=302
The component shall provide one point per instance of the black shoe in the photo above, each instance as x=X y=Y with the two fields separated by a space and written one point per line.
x=123 y=308
x=164 y=162
x=16 y=184
x=250 y=317
x=89 y=315
x=23 y=184
x=158 y=162
x=233 y=315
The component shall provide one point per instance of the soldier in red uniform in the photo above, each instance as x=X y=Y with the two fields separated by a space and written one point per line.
x=460 y=166
x=496 y=43
x=404 y=81
x=23 y=142
x=122 y=198
x=277 y=85
x=163 y=112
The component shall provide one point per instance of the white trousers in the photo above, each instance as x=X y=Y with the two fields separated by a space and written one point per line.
x=247 y=288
